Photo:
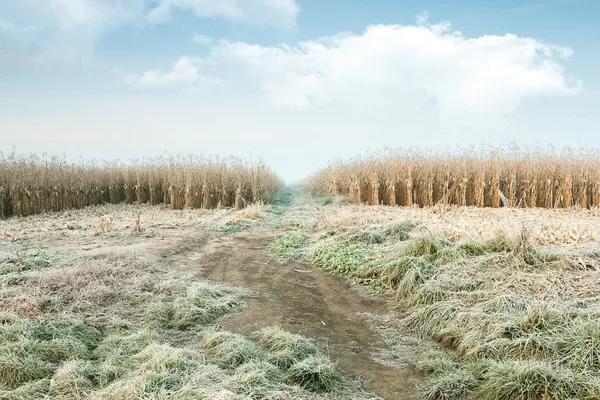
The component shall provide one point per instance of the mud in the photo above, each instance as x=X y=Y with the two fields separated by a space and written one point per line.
x=359 y=330
x=356 y=328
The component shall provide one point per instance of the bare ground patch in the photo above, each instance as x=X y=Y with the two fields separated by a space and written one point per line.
x=222 y=246
x=358 y=329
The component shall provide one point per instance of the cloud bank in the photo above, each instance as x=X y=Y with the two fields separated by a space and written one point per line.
x=273 y=12
x=185 y=72
x=75 y=26
x=388 y=67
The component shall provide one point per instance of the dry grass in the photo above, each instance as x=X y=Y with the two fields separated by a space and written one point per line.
x=573 y=226
x=472 y=177
x=31 y=184
x=71 y=229
x=78 y=327
x=512 y=294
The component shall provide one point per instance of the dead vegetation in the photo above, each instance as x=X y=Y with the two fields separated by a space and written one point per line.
x=32 y=185
x=472 y=177
x=510 y=295
x=118 y=327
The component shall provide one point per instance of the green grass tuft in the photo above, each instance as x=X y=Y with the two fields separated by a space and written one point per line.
x=393 y=271
x=33 y=260
x=34 y=390
x=127 y=344
x=360 y=236
x=15 y=370
x=201 y=306
x=431 y=291
x=472 y=248
x=428 y=246
x=579 y=345
x=288 y=247
x=229 y=349
x=451 y=385
x=413 y=279
x=399 y=231
x=530 y=380
x=315 y=373
x=255 y=376
x=228 y=228
x=285 y=348
x=431 y=319
x=340 y=259
x=539 y=318
x=72 y=378
x=437 y=362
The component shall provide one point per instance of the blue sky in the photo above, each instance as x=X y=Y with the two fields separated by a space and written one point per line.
x=296 y=82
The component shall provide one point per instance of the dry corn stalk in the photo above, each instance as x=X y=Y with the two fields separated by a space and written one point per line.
x=32 y=184
x=473 y=177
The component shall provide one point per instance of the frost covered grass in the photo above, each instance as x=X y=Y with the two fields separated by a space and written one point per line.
x=515 y=311
x=118 y=327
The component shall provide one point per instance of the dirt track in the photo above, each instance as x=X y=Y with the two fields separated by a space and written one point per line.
x=360 y=331
x=298 y=298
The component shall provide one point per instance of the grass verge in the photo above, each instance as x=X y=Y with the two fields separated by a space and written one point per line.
x=515 y=320
x=115 y=327
x=288 y=247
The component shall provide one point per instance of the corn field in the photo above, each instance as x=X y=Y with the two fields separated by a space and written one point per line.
x=474 y=177
x=32 y=184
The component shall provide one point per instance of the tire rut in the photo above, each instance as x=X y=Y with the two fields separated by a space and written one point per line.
x=304 y=300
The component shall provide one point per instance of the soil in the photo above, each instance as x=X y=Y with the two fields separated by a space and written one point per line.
x=360 y=330
x=356 y=328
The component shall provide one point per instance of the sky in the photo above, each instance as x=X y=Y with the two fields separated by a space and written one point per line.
x=298 y=83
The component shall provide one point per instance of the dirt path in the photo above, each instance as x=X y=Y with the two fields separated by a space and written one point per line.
x=301 y=299
x=359 y=330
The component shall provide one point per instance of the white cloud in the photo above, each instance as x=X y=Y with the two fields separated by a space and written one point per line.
x=422 y=18
x=73 y=14
x=220 y=8
x=274 y=12
x=7 y=26
x=394 y=67
x=12 y=28
x=60 y=29
x=183 y=73
x=201 y=39
x=75 y=26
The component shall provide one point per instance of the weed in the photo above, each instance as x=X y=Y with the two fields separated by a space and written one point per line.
x=399 y=231
x=579 y=345
x=529 y=380
x=284 y=348
x=288 y=247
x=202 y=305
x=229 y=349
x=412 y=280
x=432 y=248
x=325 y=201
x=451 y=385
x=340 y=259
x=354 y=237
x=255 y=376
x=228 y=228
x=437 y=362
x=33 y=260
x=431 y=291
x=315 y=373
